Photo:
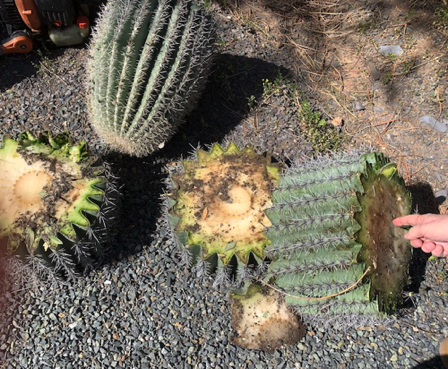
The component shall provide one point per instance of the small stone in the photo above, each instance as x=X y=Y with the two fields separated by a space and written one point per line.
x=374 y=73
x=441 y=196
x=359 y=106
x=395 y=50
x=435 y=124
x=337 y=122
x=377 y=109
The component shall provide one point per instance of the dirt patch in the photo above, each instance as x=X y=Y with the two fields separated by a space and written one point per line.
x=334 y=51
x=262 y=321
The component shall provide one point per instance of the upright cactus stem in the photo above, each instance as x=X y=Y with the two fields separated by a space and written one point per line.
x=149 y=60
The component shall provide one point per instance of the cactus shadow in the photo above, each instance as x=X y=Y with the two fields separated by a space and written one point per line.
x=141 y=182
x=221 y=107
x=423 y=202
x=224 y=103
x=434 y=363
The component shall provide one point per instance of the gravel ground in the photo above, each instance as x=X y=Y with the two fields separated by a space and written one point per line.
x=144 y=308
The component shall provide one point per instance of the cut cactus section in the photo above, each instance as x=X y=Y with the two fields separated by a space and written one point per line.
x=262 y=320
x=56 y=208
x=333 y=247
x=217 y=206
x=149 y=62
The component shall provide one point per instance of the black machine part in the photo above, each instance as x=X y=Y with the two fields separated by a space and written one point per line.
x=10 y=19
x=51 y=11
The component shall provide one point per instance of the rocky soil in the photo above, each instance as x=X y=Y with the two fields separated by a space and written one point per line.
x=377 y=73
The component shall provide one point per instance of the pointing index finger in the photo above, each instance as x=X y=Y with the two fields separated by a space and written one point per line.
x=408 y=220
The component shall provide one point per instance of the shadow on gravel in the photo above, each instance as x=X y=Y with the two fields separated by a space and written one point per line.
x=423 y=202
x=142 y=181
x=222 y=106
x=235 y=81
x=15 y=68
x=435 y=363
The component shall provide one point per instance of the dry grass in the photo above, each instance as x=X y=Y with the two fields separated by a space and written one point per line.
x=336 y=45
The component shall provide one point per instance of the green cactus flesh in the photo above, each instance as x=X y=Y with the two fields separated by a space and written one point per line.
x=51 y=200
x=149 y=62
x=331 y=221
x=218 y=204
x=385 y=249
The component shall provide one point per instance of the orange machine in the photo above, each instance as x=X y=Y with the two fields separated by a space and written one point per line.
x=63 y=21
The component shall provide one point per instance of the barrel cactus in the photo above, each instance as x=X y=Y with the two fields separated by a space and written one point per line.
x=324 y=227
x=334 y=249
x=149 y=60
x=56 y=205
x=217 y=202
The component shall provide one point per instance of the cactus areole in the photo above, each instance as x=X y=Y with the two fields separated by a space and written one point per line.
x=218 y=204
x=332 y=235
x=51 y=201
x=149 y=61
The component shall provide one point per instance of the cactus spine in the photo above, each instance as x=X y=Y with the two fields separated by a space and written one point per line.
x=327 y=230
x=55 y=206
x=149 y=62
x=331 y=221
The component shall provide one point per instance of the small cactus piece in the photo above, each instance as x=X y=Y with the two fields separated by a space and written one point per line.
x=262 y=320
x=149 y=60
x=55 y=205
x=217 y=205
x=332 y=226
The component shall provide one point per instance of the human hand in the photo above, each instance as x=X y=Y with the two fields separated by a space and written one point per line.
x=429 y=231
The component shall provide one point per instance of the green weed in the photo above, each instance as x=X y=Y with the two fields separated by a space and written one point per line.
x=251 y=102
x=386 y=78
x=270 y=88
x=45 y=65
x=363 y=27
x=322 y=136
x=407 y=65
x=442 y=14
x=221 y=43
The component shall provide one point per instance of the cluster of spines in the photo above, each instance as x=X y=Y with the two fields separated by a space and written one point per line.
x=148 y=64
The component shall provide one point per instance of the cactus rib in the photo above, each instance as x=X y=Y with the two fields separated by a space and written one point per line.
x=149 y=61
x=57 y=207
x=332 y=222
